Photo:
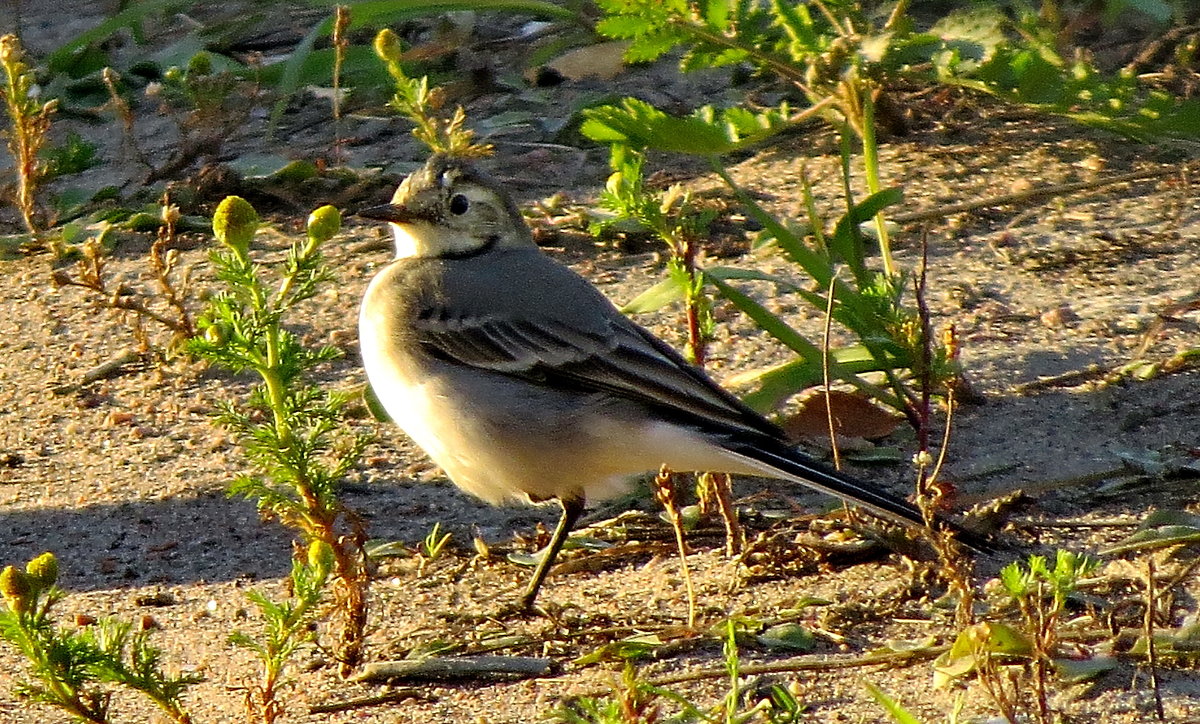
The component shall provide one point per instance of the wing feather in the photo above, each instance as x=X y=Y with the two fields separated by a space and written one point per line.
x=619 y=358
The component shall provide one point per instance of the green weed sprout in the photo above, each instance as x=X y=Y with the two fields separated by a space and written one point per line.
x=681 y=224
x=416 y=101
x=29 y=126
x=288 y=424
x=637 y=701
x=288 y=626
x=71 y=668
x=1040 y=592
x=435 y=542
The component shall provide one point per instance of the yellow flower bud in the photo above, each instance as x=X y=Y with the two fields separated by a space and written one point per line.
x=43 y=570
x=387 y=46
x=217 y=334
x=320 y=557
x=10 y=49
x=324 y=223
x=234 y=223
x=16 y=588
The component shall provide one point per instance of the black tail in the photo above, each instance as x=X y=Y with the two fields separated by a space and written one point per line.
x=775 y=459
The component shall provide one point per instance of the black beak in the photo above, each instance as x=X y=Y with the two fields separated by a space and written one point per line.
x=389 y=212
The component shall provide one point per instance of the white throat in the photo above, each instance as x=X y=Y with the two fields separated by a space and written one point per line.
x=422 y=239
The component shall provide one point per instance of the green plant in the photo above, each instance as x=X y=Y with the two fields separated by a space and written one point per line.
x=869 y=305
x=1041 y=592
x=72 y=667
x=435 y=543
x=990 y=649
x=681 y=224
x=288 y=424
x=636 y=701
x=901 y=715
x=1041 y=70
x=29 y=127
x=674 y=218
x=208 y=104
x=288 y=626
x=74 y=155
x=414 y=100
x=843 y=58
x=633 y=702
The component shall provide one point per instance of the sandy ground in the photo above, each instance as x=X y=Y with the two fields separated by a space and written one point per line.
x=124 y=478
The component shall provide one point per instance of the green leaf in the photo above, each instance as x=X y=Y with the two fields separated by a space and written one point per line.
x=628 y=649
x=641 y=125
x=376 y=549
x=373 y=405
x=706 y=132
x=894 y=708
x=1077 y=671
x=798 y=24
x=1015 y=582
x=622 y=26
x=987 y=638
x=788 y=637
x=667 y=291
x=847 y=236
x=127 y=18
x=1160 y=529
x=769 y=322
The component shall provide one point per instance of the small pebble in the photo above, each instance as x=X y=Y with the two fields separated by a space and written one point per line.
x=1059 y=317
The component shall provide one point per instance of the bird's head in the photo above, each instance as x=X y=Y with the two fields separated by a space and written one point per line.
x=449 y=208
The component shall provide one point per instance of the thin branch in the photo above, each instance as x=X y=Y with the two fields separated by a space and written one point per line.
x=809 y=663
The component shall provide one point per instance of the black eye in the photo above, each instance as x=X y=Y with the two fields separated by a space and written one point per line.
x=459 y=204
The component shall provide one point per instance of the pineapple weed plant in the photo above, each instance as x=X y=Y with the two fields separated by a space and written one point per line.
x=291 y=431
x=839 y=59
x=289 y=426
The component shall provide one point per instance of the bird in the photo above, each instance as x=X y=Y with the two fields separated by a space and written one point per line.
x=522 y=381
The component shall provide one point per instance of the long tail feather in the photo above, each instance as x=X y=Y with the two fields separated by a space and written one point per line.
x=775 y=459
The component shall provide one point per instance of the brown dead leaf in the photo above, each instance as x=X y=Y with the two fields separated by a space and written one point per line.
x=602 y=60
x=853 y=416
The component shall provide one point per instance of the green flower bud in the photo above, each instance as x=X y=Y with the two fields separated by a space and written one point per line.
x=217 y=334
x=234 y=223
x=320 y=557
x=615 y=184
x=387 y=46
x=16 y=588
x=200 y=64
x=43 y=570
x=10 y=49
x=324 y=223
x=174 y=74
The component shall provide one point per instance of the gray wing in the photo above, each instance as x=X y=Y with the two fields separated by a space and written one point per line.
x=584 y=345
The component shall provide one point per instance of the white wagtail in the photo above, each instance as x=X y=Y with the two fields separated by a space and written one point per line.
x=522 y=381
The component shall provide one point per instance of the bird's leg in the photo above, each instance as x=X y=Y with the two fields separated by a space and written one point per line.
x=572 y=508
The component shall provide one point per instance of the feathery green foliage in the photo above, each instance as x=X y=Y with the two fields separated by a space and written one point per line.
x=70 y=668
x=288 y=425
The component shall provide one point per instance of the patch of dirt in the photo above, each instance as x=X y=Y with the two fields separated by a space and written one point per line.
x=124 y=478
